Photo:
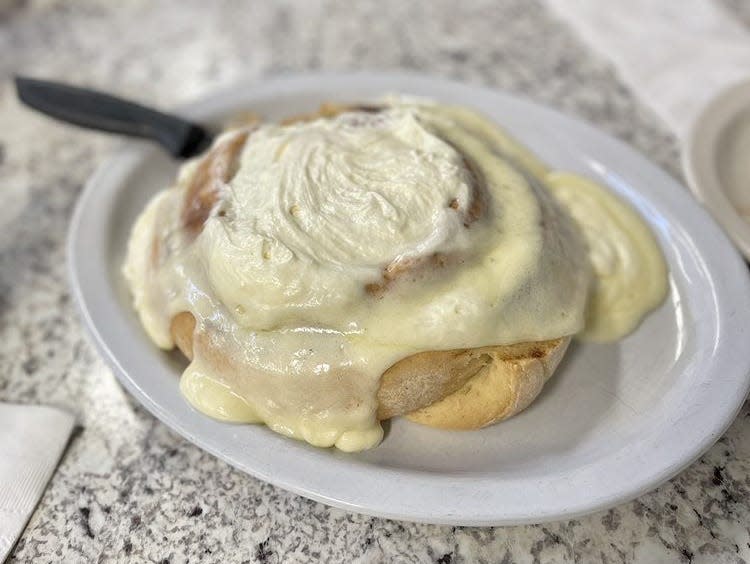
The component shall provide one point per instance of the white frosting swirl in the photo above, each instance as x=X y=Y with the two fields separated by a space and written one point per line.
x=330 y=204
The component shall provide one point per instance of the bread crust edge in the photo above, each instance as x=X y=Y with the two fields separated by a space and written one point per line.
x=455 y=389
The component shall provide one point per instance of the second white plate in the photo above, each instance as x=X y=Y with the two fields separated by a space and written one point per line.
x=614 y=422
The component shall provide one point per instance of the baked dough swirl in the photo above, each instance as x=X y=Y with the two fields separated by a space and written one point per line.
x=361 y=264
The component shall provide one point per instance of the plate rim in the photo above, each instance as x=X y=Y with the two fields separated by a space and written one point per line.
x=409 y=514
x=698 y=160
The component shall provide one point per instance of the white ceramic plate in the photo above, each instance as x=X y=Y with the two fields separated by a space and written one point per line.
x=614 y=422
x=705 y=157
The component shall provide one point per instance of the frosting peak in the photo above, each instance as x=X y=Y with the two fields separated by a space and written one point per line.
x=358 y=190
x=335 y=202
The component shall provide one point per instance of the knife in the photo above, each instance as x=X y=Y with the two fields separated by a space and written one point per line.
x=96 y=110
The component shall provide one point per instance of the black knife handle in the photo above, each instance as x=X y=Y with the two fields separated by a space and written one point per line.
x=96 y=110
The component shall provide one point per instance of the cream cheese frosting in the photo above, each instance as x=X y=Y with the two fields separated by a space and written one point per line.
x=340 y=246
x=317 y=210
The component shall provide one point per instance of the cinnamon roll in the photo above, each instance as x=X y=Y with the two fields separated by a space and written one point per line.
x=366 y=262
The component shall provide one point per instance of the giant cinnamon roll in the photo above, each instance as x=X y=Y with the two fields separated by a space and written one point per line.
x=368 y=262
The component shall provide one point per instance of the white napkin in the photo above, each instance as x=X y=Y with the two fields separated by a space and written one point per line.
x=32 y=438
x=675 y=55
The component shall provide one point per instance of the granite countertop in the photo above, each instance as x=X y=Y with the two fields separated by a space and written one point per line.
x=129 y=489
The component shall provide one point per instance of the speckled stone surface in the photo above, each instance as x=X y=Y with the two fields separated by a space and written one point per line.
x=130 y=490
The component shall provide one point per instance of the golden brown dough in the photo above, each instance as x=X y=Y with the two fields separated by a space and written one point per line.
x=503 y=387
x=214 y=169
